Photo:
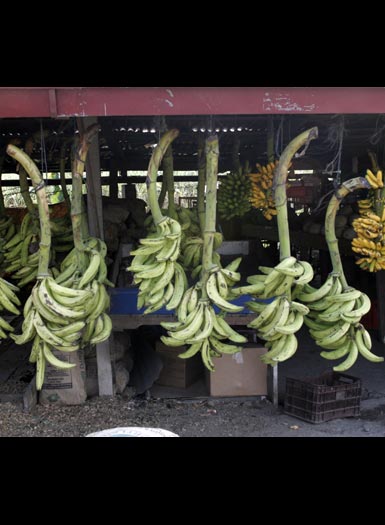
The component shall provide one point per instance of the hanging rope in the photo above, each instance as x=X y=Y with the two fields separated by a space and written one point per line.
x=278 y=147
x=43 y=152
x=377 y=135
x=335 y=139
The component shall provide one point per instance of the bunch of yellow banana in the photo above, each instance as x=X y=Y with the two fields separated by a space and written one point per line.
x=370 y=229
x=234 y=195
x=9 y=302
x=365 y=206
x=161 y=278
x=375 y=181
x=262 y=189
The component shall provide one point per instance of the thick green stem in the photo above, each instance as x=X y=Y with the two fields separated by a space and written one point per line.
x=212 y=154
x=152 y=173
x=2 y=206
x=201 y=183
x=330 y=234
x=168 y=176
x=63 y=176
x=42 y=202
x=163 y=191
x=77 y=205
x=279 y=185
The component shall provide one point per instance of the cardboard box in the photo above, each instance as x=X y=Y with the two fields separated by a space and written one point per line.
x=178 y=372
x=241 y=374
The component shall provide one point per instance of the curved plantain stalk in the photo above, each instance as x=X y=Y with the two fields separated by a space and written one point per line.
x=38 y=183
x=212 y=155
x=2 y=206
x=62 y=175
x=152 y=173
x=163 y=191
x=279 y=188
x=77 y=205
x=330 y=235
x=168 y=177
x=24 y=186
x=201 y=183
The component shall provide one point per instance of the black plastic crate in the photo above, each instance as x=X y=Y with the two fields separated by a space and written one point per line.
x=329 y=396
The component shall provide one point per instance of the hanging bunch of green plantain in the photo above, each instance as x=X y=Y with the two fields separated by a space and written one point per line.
x=280 y=319
x=336 y=308
x=192 y=241
x=162 y=280
x=198 y=325
x=65 y=313
x=21 y=252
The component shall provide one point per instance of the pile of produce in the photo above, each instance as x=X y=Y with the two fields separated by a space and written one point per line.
x=337 y=308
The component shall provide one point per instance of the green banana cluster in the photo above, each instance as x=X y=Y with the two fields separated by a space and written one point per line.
x=7 y=230
x=22 y=250
x=192 y=252
x=334 y=321
x=279 y=320
x=9 y=302
x=162 y=280
x=198 y=324
x=234 y=194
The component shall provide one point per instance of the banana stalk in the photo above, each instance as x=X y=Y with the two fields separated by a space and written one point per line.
x=330 y=234
x=39 y=185
x=24 y=186
x=62 y=175
x=77 y=205
x=279 y=188
x=168 y=177
x=212 y=154
x=152 y=173
x=2 y=207
x=201 y=183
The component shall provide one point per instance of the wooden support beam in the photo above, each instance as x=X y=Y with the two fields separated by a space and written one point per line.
x=95 y=224
x=113 y=182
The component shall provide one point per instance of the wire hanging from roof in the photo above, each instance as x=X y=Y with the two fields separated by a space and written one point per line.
x=43 y=152
x=335 y=139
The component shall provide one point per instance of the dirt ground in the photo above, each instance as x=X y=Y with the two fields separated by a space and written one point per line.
x=255 y=417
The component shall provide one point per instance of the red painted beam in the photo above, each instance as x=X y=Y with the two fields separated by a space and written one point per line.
x=110 y=101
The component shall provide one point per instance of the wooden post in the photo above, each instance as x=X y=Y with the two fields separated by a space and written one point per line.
x=113 y=182
x=380 y=283
x=95 y=224
x=272 y=384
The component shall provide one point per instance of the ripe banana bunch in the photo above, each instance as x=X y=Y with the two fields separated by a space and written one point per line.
x=370 y=229
x=277 y=324
x=10 y=302
x=365 y=206
x=161 y=278
x=287 y=275
x=375 y=181
x=262 y=189
x=234 y=195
